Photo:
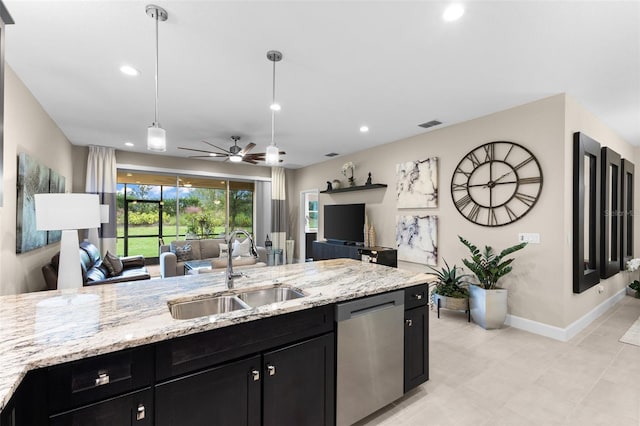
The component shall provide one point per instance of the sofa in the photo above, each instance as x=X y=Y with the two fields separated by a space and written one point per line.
x=95 y=270
x=203 y=249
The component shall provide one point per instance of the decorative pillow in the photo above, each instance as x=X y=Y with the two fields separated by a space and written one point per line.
x=224 y=251
x=241 y=248
x=113 y=264
x=183 y=253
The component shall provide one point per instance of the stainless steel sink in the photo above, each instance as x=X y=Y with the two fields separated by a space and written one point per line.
x=204 y=307
x=232 y=302
x=269 y=295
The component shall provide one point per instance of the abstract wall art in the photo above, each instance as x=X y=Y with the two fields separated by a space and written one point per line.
x=417 y=239
x=417 y=184
x=33 y=178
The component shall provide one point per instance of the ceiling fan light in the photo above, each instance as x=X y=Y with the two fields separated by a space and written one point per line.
x=235 y=158
x=272 y=156
x=156 y=139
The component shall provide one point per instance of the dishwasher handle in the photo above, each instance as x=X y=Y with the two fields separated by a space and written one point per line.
x=367 y=305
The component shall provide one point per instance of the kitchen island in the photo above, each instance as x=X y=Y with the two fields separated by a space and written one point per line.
x=46 y=329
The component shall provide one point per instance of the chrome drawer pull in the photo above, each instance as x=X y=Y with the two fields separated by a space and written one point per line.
x=409 y=322
x=140 y=412
x=256 y=375
x=103 y=379
x=271 y=369
x=418 y=296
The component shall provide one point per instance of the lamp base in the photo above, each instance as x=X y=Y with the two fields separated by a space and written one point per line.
x=69 y=269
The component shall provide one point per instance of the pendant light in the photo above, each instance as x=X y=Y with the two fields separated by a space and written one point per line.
x=156 y=135
x=273 y=153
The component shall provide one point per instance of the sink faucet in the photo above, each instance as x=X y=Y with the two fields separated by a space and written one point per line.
x=254 y=252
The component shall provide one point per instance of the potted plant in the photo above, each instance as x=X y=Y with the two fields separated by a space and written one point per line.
x=488 y=303
x=633 y=289
x=450 y=290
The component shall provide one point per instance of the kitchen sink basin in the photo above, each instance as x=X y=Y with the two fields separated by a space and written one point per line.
x=232 y=302
x=204 y=307
x=269 y=295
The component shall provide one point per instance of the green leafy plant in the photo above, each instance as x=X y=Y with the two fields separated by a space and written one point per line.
x=450 y=284
x=488 y=266
x=635 y=285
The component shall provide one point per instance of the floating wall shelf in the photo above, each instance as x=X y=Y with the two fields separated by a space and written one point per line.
x=354 y=188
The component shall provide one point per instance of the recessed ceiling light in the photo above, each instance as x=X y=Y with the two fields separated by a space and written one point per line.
x=128 y=143
x=453 y=12
x=129 y=70
x=129 y=174
x=212 y=154
x=187 y=185
x=364 y=129
x=275 y=107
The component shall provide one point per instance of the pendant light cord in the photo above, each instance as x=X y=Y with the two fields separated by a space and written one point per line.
x=273 y=112
x=156 y=116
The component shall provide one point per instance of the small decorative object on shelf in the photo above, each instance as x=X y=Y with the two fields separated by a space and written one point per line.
x=329 y=186
x=336 y=184
x=372 y=236
x=346 y=168
x=366 y=231
x=368 y=182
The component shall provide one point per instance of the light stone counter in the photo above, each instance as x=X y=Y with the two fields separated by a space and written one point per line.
x=52 y=327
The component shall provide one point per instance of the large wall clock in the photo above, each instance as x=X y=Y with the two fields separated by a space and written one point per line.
x=496 y=184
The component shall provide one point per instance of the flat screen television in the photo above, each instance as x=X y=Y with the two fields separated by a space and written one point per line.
x=344 y=223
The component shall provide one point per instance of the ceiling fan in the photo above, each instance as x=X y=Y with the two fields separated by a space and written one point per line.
x=234 y=153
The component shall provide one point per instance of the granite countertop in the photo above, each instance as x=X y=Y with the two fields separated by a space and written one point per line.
x=52 y=327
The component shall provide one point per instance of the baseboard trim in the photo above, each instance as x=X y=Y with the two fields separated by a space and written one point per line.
x=564 y=334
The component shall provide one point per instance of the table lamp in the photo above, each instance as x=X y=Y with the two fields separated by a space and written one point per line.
x=68 y=213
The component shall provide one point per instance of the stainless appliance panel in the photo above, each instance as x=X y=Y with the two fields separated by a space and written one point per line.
x=370 y=360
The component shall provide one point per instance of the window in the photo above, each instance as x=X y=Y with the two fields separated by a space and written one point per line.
x=311 y=212
x=154 y=208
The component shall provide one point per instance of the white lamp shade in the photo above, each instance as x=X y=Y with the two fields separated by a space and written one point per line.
x=104 y=213
x=235 y=158
x=156 y=139
x=56 y=212
x=272 y=155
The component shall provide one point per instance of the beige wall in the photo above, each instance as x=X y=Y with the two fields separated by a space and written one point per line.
x=29 y=129
x=540 y=285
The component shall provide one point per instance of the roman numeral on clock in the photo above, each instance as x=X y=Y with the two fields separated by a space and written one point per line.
x=524 y=181
x=463 y=202
x=526 y=199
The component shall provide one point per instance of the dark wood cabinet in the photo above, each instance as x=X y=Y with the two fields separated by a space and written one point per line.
x=416 y=337
x=226 y=395
x=134 y=409
x=323 y=250
x=299 y=385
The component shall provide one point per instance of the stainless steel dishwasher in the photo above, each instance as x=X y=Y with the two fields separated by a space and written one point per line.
x=370 y=361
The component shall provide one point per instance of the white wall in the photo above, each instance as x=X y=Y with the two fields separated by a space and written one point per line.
x=29 y=129
x=540 y=286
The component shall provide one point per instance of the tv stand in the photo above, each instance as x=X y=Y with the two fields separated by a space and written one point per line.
x=324 y=250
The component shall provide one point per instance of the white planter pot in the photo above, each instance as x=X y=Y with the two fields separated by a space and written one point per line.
x=488 y=307
x=631 y=292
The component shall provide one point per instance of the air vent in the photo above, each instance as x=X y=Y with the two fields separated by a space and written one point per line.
x=430 y=124
x=331 y=154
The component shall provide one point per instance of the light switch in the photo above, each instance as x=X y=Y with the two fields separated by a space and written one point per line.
x=529 y=237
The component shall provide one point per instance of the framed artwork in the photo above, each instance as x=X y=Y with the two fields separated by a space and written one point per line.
x=33 y=178
x=56 y=186
x=416 y=238
x=417 y=184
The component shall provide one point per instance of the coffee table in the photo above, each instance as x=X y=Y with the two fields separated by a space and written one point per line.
x=194 y=267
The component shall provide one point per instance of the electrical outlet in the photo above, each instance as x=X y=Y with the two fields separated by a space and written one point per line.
x=531 y=238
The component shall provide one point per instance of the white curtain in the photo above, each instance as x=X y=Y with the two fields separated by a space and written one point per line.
x=263 y=211
x=101 y=179
x=278 y=208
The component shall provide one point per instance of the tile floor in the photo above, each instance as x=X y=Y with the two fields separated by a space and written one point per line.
x=513 y=378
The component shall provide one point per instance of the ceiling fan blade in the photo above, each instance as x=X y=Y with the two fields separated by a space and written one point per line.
x=204 y=156
x=247 y=148
x=217 y=147
x=194 y=149
x=250 y=161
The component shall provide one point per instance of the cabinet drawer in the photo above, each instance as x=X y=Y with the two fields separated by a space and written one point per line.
x=416 y=296
x=133 y=409
x=203 y=350
x=89 y=380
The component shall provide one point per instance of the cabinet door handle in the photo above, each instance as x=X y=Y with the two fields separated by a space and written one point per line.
x=409 y=322
x=418 y=296
x=256 y=375
x=271 y=369
x=140 y=412
x=103 y=379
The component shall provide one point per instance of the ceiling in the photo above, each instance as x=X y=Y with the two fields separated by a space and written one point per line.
x=390 y=65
